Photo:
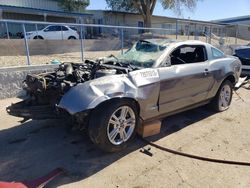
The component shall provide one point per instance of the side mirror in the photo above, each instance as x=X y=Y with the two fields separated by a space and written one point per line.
x=167 y=62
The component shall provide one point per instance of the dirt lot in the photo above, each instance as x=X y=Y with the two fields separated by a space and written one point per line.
x=34 y=148
x=8 y=61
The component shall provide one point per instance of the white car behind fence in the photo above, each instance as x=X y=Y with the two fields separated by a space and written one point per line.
x=54 y=32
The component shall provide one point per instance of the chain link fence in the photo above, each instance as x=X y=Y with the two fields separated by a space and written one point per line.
x=30 y=43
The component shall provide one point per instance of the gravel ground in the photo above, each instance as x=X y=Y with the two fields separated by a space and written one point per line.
x=34 y=148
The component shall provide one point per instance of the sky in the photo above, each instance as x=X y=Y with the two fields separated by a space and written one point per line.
x=206 y=10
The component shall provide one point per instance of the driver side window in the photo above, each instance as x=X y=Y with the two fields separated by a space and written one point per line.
x=188 y=54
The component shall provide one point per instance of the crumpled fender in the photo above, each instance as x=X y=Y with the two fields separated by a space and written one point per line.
x=142 y=86
x=89 y=94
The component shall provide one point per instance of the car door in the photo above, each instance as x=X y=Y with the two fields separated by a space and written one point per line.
x=65 y=33
x=53 y=32
x=184 y=84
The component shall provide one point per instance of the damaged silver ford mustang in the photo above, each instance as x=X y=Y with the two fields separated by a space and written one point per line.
x=111 y=96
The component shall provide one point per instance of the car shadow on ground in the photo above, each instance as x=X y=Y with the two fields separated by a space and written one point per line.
x=34 y=148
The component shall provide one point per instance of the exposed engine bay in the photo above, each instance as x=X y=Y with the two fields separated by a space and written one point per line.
x=45 y=90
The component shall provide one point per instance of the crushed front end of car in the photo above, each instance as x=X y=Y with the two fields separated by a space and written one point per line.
x=45 y=90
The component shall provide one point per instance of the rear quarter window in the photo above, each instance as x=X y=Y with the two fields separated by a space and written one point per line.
x=73 y=28
x=217 y=53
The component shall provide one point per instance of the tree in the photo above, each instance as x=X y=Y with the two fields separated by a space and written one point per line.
x=73 y=5
x=146 y=7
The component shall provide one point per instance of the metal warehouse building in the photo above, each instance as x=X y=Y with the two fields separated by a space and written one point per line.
x=243 y=23
x=37 y=10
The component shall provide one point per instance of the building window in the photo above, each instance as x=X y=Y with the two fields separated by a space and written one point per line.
x=140 y=24
x=166 y=26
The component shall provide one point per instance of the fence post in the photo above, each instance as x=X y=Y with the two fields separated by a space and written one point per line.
x=7 y=30
x=36 y=30
x=236 y=33
x=61 y=32
x=226 y=35
x=82 y=45
x=176 y=30
x=122 y=40
x=205 y=31
x=195 y=32
x=26 y=45
x=210 y=34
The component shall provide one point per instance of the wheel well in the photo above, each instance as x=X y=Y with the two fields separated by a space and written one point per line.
x=84 y=121
x=38 y=37
x=117 y=99
x=231 y=78
x=72 y=37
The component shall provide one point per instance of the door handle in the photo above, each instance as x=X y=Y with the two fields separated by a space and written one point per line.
x=206 y=72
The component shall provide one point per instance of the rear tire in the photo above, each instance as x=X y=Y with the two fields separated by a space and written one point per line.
x=38 y=37
x=72 y=38
x=223 y=98
x=113 y=124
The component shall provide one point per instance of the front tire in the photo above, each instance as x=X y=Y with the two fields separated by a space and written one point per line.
x=113 y=124
x=223 y=98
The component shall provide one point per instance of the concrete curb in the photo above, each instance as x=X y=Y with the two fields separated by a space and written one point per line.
x=14 y=47
x=11 y=78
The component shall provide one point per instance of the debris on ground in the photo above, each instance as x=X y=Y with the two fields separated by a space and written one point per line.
x=146 y=151
x=241 y=82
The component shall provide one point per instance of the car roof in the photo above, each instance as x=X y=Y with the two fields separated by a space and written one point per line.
x=158 y=41
x=191 y=42
x=57 y=25
x=165 y=42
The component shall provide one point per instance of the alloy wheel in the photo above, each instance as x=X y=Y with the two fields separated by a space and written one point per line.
x=121 y=125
